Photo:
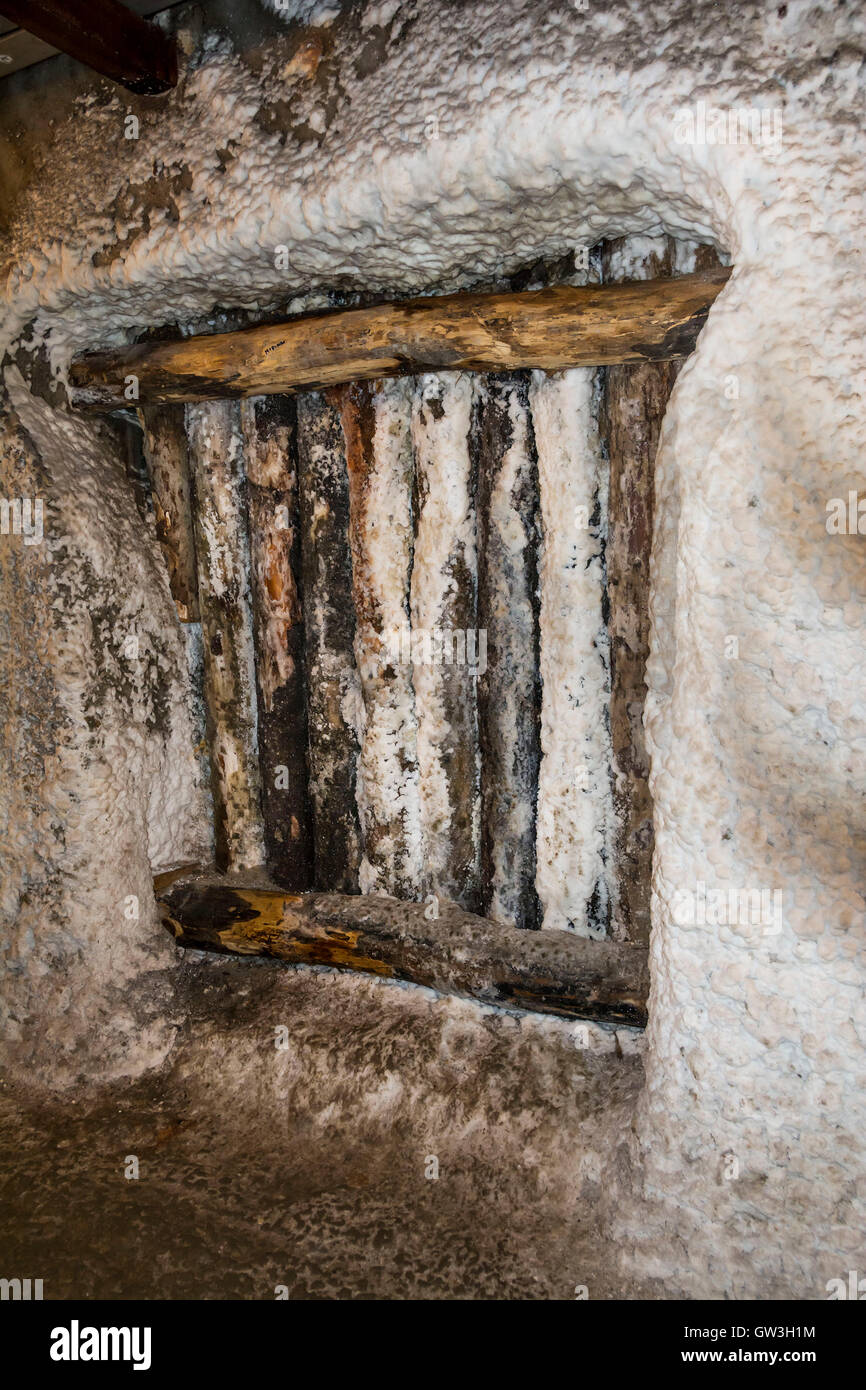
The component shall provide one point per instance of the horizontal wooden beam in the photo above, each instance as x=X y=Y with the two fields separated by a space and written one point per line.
x=105 y=36
x=438 y=945
x=591 y=325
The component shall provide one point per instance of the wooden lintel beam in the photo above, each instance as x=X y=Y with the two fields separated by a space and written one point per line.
x=454 y=952
x=553 y=329
x=105 y=36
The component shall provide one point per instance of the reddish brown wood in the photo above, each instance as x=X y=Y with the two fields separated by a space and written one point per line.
x=105 y=36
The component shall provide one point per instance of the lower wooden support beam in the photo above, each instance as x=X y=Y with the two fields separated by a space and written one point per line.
x=454 y=952
x=567 y=326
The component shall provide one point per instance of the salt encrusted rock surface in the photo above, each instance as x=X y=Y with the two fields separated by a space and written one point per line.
x=457 y=151
x=101 y=784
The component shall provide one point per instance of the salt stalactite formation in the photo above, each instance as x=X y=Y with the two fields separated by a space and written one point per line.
x=222 y=550
x=166 y=454
x=335 y=709
x=634 y=401
x=445 y=646
x=509 y=688
x=575 y=804
x=377 y=427
x=268 y=424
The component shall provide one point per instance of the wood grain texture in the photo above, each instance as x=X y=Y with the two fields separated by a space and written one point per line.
x=455 y=953
x=269 y=424
x=334 y=693
x=551 y=329
x=167 y=456
x=105 y=36
x=222 y=551
x=377 y=430
x=509 y=686
x=444 y=621
x=634 y=400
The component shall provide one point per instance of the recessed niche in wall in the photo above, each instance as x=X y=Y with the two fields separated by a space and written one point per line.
x=423 y=602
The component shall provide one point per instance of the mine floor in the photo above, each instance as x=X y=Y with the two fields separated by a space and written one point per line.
x=311 y=1166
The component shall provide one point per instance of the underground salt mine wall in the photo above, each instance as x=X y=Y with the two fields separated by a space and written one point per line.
x=310 y=159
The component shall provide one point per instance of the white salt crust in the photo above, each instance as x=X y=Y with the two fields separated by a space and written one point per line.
x=388 y=784
x=216 y=463
x=552 y=130
x=575 y=817
x=505 y=522
x=445 y=537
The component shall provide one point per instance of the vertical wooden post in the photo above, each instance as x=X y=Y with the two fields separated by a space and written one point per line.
x=167 y=455
x=634 y=402
x=335 y=709
x=575 y=803
x=222 y=550
x=635 y=398
x=268 y=424
x=509 y=690
x=445 y=647
x=377 y=427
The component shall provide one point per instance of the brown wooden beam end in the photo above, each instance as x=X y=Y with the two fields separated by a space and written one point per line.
x=551 y=972
x=105 y=36
x=552 y=329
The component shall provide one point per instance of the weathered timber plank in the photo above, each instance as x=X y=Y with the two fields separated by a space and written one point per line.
x=222 y=552
x=575 y=799
x=334 y=706
x=105 y=36
x=549 y=972
x=551 y=329
x=377 y=428
x=167 y=455
x=269 y=424
x=634 y=401
x=445 y=649
x=635 y=396
x=509 y=684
